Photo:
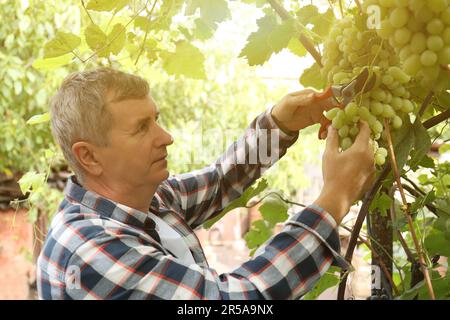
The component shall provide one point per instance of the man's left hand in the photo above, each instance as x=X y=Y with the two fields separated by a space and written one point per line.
x=299 y=110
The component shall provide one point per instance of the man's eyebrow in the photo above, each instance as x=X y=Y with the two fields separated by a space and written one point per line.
x=145 y=119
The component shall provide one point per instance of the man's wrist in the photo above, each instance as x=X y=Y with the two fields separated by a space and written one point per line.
x=280 y=124
x=334 y=202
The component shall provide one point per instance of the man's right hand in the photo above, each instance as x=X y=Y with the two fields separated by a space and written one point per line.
x=347 y=175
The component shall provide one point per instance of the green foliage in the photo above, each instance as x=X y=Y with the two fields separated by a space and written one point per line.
x=242 y=201
x=175 y=63
x=270 y=38
x=312 y=77
x=63 y=43
x=328 y=280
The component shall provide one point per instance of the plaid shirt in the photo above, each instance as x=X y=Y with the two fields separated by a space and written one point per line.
x=99 y=249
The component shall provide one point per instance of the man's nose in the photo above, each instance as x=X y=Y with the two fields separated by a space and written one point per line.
x=167 y=137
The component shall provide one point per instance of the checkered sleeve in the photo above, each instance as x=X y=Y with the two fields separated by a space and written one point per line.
x=123 y=267
x=202 y=194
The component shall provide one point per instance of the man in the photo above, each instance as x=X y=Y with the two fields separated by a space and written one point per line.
x=125 y=228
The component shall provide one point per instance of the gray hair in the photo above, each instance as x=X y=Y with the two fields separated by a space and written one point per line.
x=79 y=108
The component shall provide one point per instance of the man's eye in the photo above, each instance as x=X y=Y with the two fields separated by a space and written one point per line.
x=143 y=127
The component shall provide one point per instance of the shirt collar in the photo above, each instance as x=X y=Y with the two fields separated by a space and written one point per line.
x=107 y=207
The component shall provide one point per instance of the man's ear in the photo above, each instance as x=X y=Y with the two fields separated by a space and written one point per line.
x=87 y=157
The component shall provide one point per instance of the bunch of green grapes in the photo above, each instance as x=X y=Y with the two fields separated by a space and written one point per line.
x=348 y=50
x=419 y=32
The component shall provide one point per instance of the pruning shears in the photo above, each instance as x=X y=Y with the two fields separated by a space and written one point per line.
x=343 y=94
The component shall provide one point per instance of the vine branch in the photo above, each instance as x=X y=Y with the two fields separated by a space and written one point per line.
x=305 y=41
x=406 y=209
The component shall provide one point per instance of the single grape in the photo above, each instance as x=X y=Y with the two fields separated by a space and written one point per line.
x=364 y=113
x=379 y=159
x=428 y=58
x=377 y=127
x=397 y=103
x=376 y=108
x=412 y=65
x=354 y=131
x=351 y=110
x=330 y=114
x=407 y=106
x=343 y=132
x=402 y=36
x=435 y=43
x=435 y=26
x=346 y=143
x=418 y=43
x=382 y=151
x=397 y=122
x=399 y=17
x=388 y=111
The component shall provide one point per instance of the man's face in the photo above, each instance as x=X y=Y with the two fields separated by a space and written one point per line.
x=136 y=154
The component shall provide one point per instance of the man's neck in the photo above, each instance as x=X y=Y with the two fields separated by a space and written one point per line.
x=138 y=198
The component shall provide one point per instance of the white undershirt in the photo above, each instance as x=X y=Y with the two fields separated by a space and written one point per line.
x=172 y=240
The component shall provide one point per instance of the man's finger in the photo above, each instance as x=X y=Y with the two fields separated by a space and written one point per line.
x=364 y=134
x=332 y=145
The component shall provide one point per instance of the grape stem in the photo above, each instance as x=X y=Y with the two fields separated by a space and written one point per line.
x=305 y=41
x=407 y=211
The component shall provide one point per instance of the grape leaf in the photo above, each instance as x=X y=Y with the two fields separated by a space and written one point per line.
x=202 y=30
x=305 y=14
x=322 y=23
x=381 y=203
x=422 y=143
x=403 y=140
x=312 y=77
x=52 y=63
x=270 y=38
x=96 y=40
x=242 y=201
x=273 y=210
x=422 y=201
x=211 y=12
x=39 y=118
x=142 y=23
x=258 y=234
x=31 y=181
x=63 y=43
x=296 y=47
x=106 y=5
x=437 y=244
x=328 y=280
x=187 y=60
x=116 y=38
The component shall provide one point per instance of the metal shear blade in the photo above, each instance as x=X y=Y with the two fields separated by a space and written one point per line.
x=345 y=93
